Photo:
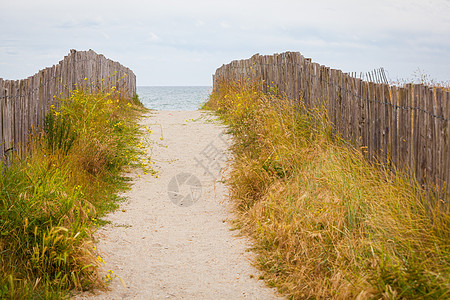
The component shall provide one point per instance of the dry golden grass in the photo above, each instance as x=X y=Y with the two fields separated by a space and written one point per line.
x=328 y=224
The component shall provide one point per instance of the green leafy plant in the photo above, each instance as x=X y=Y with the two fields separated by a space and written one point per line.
x=58 y=132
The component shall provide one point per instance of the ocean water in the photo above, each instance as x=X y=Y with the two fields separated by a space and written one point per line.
x=173 y=97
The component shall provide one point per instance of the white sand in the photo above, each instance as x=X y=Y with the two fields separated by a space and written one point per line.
x=163 y=250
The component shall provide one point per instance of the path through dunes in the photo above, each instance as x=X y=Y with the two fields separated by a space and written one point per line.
x=171 y=238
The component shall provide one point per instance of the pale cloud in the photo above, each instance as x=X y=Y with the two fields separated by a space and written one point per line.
x=199 y=23
x=106 y=36
x=75 y=23
x=225 y=25
x=153 y=37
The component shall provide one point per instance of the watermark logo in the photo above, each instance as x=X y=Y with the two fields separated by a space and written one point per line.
x=212 y=158
x=184 y=189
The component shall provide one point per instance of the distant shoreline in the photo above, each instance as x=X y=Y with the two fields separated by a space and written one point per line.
x=173 y=97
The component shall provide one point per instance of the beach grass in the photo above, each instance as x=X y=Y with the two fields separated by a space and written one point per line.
x=327 y=223
x=52 y=198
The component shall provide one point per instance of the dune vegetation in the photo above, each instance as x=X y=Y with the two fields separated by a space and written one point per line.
x=52 y=198
x=327 y=223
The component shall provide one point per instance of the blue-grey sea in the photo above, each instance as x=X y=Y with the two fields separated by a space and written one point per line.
x=173 y=97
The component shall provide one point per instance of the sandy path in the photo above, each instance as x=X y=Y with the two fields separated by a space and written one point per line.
x=165 y=250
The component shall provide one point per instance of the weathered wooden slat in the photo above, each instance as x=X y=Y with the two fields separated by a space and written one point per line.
x=355 y=112
x=416 y=163
x=438 y=150
x=446 y=141
x=431 y=139
x=393 y=118
x=371 y=113
x=377 y=122
x=7 y=122
x=364 y=115
x=2 y=105
x=382 y=122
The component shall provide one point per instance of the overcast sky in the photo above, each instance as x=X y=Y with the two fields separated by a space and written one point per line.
x=171 y=42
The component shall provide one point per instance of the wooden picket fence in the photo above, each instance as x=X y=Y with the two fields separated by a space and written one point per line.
x=405 y=126
x=24 y=103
